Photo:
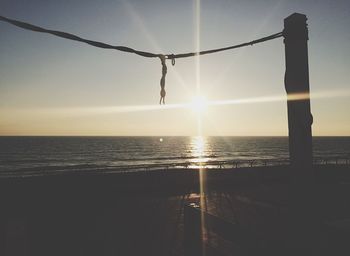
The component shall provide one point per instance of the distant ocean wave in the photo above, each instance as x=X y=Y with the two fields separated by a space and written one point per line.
x=43 y=155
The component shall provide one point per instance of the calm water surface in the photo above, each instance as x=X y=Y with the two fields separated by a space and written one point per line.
x=49 y=154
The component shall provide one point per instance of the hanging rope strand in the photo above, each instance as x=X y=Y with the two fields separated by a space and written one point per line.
x=162 y=80
x=162 y=57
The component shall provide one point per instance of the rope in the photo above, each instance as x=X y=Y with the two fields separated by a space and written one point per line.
x=162 y=80
x=162 y=57
x=65 y=35
x=191 y=54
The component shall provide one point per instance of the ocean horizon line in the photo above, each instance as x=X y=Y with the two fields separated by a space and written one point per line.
x=165 y=136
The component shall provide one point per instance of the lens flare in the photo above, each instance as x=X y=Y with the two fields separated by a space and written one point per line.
x=199 y=104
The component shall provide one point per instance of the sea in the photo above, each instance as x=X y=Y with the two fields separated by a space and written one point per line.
x=51 y=155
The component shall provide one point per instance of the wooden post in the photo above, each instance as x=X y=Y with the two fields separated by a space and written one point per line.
x=297 y=82
x=303 y=208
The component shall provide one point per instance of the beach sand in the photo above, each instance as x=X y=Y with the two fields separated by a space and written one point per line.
x=142 y=214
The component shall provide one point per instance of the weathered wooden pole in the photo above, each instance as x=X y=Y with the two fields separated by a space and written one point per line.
x=303 y=208
x=297 y=83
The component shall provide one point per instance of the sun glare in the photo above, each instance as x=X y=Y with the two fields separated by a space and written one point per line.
x=199 y=104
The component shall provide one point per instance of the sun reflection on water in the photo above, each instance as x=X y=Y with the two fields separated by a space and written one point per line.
x=199 y=151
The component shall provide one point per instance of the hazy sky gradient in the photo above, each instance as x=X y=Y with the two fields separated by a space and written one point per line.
x=53 y=86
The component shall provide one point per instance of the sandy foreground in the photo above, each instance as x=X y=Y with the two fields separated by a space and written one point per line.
x=143 y=213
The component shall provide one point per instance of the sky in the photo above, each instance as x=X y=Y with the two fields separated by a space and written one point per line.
x=54 y=86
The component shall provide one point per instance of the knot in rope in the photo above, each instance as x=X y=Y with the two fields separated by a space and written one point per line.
x=172 y=57
x=162 y=80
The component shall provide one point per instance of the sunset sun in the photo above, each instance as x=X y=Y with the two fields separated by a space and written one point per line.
x=199 y=104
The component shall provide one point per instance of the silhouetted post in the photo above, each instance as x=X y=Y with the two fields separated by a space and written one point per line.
x=303 y=211
x=297 y=82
